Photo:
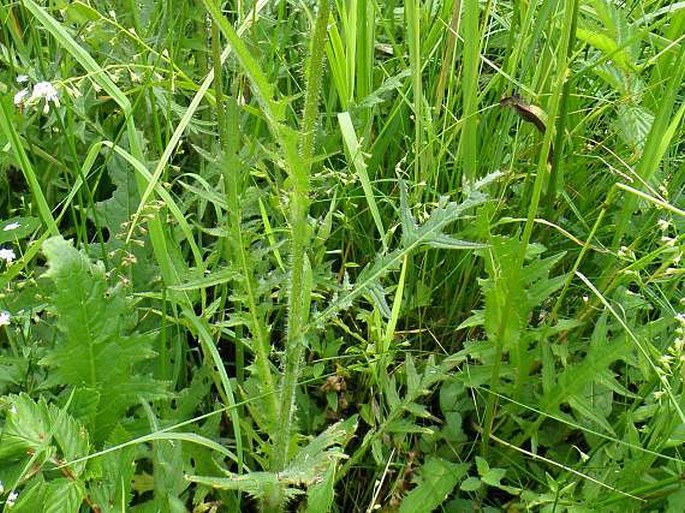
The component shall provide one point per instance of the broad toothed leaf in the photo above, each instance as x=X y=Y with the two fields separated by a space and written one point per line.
x=96 y=350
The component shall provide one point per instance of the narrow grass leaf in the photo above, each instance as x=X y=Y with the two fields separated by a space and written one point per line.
x=356 y=156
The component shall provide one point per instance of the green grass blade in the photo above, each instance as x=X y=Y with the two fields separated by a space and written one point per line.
x=356 y=155
x=223 y=382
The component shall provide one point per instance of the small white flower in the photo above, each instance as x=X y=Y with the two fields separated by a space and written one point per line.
x=20 y=97
x=10 y=227
x=663 y=224
x=11 y=499
x=4 y=318
x=669 y=241
x=22 y=79
x=44 y=91
x=7 y=255
x=626 y=252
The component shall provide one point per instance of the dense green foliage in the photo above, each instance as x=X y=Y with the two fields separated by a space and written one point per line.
x=342 y=256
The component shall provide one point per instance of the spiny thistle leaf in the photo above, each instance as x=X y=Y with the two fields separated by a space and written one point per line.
x=309 y=467
x=414 y=237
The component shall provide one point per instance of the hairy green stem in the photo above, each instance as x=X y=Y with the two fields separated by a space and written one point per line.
x=298 y=299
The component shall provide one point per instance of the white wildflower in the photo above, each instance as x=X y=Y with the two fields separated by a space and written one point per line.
x=11 y=226
x=44 y=91
x=11 y=499
x=7 y=255
x=626 y=252
x=4 y=318
x=663 y=224
x=20 y=97
x=21 y=79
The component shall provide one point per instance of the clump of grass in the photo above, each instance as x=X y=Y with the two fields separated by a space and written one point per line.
x=303 y=259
